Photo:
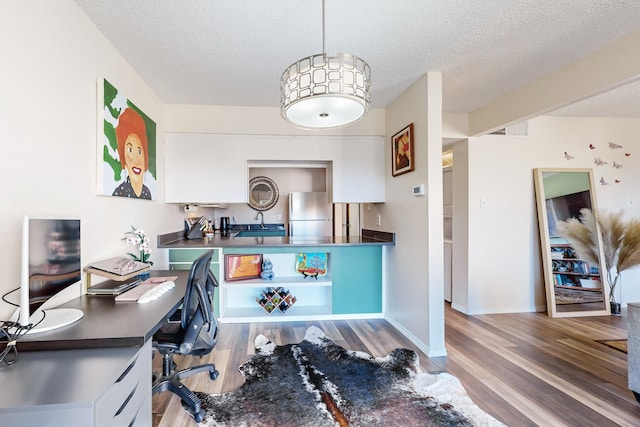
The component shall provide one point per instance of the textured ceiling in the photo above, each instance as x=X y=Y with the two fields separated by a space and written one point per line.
x=232 y=52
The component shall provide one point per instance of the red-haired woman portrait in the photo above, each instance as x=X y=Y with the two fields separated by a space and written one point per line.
x=133 y=150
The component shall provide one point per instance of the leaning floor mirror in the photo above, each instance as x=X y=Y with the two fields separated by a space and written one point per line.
x=574 y=286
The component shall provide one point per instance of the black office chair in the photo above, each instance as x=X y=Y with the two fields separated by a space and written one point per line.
x=194 y=335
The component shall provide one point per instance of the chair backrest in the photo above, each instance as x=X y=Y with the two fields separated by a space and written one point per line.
x=198 y=320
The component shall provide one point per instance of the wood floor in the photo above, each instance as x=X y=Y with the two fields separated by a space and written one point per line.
x=525 y=369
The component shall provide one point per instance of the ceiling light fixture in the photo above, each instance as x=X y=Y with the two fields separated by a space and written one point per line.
x=322 y=91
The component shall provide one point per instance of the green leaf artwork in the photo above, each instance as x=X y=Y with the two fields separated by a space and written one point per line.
x=110 y=93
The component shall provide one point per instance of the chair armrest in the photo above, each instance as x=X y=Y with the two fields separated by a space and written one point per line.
x=191 y=335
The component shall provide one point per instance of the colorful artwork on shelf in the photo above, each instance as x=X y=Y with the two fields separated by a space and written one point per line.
x=312 y=264
x=242 y=267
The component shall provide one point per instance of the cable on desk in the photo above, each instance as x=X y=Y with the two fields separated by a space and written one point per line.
x=4 y=297
x=13 y=331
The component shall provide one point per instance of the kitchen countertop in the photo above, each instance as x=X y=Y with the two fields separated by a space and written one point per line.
x=176 y=240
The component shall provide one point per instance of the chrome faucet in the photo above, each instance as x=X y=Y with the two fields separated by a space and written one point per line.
x=261 y=215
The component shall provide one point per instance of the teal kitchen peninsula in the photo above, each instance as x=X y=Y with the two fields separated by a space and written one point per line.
x=351 y=287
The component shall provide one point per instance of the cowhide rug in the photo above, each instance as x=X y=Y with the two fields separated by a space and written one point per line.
x=318 y=383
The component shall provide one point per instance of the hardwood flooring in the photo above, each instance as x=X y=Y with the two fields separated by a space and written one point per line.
x=525 y=369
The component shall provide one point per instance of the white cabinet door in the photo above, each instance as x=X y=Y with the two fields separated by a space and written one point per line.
x=211 y=168
x=204 y=168
x=358 y=170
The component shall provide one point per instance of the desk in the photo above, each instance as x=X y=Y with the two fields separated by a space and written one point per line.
x=100 y=373
x=107 y=323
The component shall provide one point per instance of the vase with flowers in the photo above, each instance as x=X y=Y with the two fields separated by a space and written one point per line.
x=138 y=237
x=620 y=243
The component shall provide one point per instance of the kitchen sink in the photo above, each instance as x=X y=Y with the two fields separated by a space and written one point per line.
x=259 y=230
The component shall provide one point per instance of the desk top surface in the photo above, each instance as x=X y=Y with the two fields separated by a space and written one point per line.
x=107 y=323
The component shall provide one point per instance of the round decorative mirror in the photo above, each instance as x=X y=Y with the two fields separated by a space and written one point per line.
x=263 y=193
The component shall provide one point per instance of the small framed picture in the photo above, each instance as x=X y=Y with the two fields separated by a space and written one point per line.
x=402 y=151
x=242 y=267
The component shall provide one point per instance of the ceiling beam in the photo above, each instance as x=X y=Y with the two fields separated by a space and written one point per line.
x=614 y=65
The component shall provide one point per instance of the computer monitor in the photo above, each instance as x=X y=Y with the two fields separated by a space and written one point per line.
x=50 y=264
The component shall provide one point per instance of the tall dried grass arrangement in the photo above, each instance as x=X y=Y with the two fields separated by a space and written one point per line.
x=620 y=241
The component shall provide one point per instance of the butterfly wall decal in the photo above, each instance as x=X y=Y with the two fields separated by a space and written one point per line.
x=614 y=146
x=568 y=156
x=627 y=154
x=617 y=165
x=599 y=162
x=603 y=182
x=592 y=147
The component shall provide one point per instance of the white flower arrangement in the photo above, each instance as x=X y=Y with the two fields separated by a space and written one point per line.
x=137 y=237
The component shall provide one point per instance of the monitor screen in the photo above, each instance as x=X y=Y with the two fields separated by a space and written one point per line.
x=54 y=258
x=50 y=264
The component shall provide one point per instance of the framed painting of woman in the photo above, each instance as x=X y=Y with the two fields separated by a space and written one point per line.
x=126 y=147
x=402 y=151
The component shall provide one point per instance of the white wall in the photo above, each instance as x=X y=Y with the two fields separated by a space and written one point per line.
x=414 y=296
x=256 y=121
x=52 y=57
x=503 y=270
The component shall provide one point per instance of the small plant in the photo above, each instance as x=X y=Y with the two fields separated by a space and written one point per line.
x=620 y=242
x=137 y=237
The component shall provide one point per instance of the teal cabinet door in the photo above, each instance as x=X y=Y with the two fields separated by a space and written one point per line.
x=356 y=273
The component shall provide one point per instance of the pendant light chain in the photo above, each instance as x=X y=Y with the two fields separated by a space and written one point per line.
x=324 y=49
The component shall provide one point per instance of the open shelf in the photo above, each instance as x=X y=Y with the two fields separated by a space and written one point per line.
x=286 y=281
x=257 y=311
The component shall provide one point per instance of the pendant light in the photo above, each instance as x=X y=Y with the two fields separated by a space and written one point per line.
x=322 y=91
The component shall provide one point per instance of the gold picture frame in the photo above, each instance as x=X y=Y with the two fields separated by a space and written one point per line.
x=402 y=151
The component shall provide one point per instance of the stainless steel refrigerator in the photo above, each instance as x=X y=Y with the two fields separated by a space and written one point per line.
x=310 y=215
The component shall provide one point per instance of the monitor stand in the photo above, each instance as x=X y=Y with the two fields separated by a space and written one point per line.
x=52 y=318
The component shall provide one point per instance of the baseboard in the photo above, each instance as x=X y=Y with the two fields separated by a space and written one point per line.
x=417 y=342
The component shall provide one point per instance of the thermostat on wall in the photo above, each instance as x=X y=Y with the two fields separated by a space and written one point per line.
x=418 y=190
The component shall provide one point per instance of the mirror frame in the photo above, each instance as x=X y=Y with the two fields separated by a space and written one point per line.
x=545 y=246
x=263 y=180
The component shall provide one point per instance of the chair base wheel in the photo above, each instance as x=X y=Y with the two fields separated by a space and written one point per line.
x=199 y=416
x=214 y=374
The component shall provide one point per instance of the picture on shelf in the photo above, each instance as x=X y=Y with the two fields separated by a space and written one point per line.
x=242 y=267
x=311 y=264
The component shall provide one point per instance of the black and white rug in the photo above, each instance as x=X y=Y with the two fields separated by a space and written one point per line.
x=318 y=383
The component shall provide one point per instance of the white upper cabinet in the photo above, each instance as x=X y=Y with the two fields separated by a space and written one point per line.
x=202 y=168
x=358 y=170
x=212 y=168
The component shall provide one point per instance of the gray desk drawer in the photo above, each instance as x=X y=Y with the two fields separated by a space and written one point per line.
x=124 y=398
